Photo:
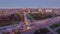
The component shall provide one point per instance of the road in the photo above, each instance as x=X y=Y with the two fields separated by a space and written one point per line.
x=42 y=24
x=38 y=24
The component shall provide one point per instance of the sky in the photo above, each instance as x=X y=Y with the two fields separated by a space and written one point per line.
x=29 y=3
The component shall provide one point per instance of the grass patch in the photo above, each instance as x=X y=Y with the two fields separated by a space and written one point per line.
x=8 y=23
x=55 y=26
x=5 y=24
x=58 y=31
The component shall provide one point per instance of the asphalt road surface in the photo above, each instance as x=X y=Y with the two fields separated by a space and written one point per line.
x=34 y=25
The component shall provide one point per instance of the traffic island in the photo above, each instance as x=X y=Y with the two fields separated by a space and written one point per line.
x=42 y=31
x=55 y=26
x=58 y=31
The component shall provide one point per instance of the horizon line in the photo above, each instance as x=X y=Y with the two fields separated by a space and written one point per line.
x=26 y=7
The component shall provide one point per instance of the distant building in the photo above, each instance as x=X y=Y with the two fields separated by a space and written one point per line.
x=48 y=10
x=40 y=10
